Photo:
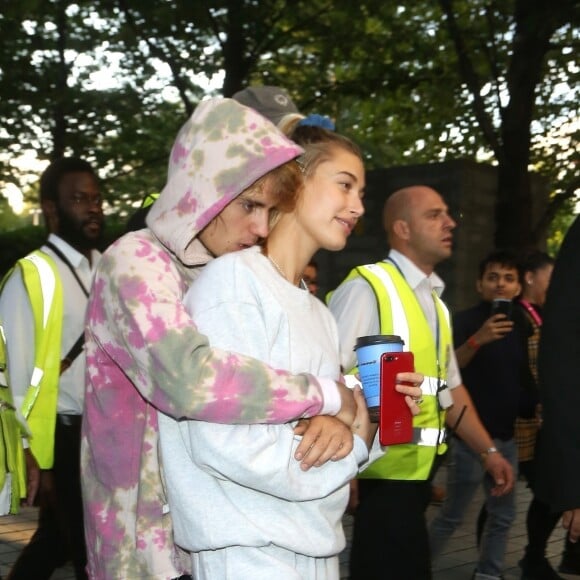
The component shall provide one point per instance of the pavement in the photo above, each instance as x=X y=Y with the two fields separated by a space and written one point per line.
x=456 y=563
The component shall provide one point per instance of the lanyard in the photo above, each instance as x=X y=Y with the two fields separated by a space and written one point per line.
x=69 y=265
x=437 y=329
x=532 y=312
x=77 y=347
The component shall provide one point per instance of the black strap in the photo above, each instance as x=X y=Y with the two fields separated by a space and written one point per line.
x=77 y=347
x=75 y=350
x=70 y=266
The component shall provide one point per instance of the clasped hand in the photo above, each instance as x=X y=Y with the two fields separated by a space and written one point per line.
x=327 y=438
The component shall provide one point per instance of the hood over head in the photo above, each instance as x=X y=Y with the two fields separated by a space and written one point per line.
x=219 y=152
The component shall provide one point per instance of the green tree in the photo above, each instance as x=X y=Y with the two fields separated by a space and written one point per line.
x=8 y=219
x=534 y=32
x=426 y=81
x=417 y=81
x=58 y=100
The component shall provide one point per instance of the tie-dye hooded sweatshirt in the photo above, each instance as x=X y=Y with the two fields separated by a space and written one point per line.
x=145 y=354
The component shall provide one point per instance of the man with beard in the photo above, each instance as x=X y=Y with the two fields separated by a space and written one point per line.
x=42 y=309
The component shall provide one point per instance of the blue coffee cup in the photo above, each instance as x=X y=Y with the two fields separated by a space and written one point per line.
x=368 y=353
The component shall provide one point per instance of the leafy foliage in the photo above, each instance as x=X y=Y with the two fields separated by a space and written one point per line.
x=412 y=82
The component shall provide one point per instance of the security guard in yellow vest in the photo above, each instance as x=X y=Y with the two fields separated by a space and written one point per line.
x=37 y=410
x=401 y=296
x=42 y=311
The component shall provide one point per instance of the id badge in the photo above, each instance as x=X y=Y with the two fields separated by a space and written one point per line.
x=445 y=398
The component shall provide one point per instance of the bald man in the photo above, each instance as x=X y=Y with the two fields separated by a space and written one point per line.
x=392 y=493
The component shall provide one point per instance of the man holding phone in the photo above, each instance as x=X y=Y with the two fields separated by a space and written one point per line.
x=400 y=295
x=491 y=354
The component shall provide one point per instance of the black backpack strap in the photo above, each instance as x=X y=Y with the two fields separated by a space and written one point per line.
x=72 y=354
x=77 y=347
x=68 y=264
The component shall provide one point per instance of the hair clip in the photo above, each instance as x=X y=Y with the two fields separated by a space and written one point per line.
x=316 y=120
x=300 y=161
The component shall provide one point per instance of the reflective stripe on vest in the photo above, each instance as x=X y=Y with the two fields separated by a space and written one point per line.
x=48 y=282
x=429 y=386
x=44 y=288
x=400 y=313
x=429 y=437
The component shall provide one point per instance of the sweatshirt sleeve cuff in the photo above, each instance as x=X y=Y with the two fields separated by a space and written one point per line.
x=375 y=452
x=330 y=396
x=361 y=451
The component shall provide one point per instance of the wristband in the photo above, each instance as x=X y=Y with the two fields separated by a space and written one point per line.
x=473 y=343
x=485 y=454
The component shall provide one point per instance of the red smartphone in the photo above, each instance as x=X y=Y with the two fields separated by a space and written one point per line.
x=395 y=417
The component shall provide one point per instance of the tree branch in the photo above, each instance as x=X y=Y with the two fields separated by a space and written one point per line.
x=553 y=208
x=181 y=85
x=470 y=78
x=492 y=54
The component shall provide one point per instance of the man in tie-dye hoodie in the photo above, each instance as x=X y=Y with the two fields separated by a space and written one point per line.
x=145 y=354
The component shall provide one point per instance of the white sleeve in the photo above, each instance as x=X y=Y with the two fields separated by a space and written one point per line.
x=261 y=457
x=354 y=307
x=376 y=452
x=453 y=373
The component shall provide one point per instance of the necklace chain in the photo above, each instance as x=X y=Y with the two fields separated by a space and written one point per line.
x=281 y=272
x=275 y=264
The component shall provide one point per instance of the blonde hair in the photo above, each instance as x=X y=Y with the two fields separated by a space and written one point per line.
x=319 y=144
x=288 y=122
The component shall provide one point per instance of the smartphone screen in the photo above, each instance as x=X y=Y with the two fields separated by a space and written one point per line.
x=395 y=417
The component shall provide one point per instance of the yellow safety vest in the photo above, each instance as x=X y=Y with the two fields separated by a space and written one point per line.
x=12 y=463
x=400 y=313
x=44 y=289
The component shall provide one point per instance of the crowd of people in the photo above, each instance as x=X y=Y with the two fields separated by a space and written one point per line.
x=178 y=404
